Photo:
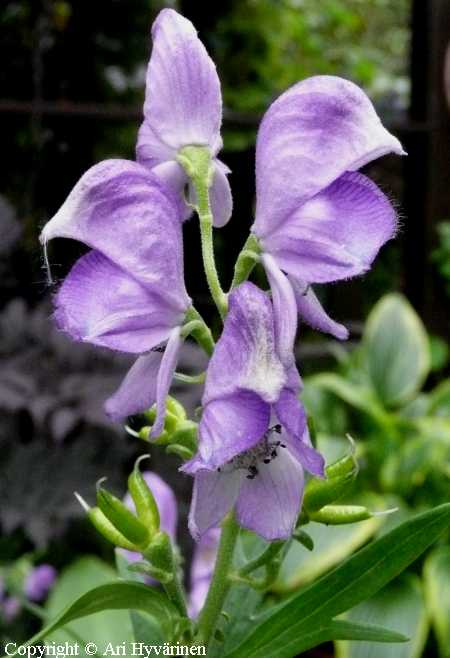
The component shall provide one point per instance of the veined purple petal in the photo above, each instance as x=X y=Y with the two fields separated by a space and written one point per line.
x=230 y=425
x=165 y=376
x=129 y=215
x=292 y=416
x=312 y=134
x=101 y=304
x=284 y=307
x=311 y=311
x=220 y=195
x=183 y=103
x=336 y=234
x=137 y=392
x=269 y=504
x=213 y=496
x=245 y=356
x=176 y=179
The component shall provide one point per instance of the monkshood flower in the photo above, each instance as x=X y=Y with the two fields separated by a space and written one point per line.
x=128 y=292
x=317 y=219
x=39 y=582
x=253 y=436
x=183 y=107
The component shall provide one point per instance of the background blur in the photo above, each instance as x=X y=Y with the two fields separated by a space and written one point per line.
x=71 y=90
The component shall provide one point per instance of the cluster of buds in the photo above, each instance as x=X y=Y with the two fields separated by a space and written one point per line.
x=139 y=532
x=179 y=434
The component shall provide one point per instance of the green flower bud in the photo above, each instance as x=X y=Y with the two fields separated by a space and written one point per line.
x=144 y=501
x=339 y=477
x=122 y=519
x=341 y=514
x=104 y=526
x=159 y=552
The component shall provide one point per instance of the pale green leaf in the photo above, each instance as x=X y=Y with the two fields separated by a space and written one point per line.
x=437 y=589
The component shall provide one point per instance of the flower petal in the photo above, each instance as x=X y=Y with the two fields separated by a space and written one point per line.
x=220 y=195
x=230 y=425
x=213 y=496
x=176 y=179
x=129 y=215
x=245 y=356
x=311 y=311
x=165 y=376
x=291 y=414
x=137 y=392
x=101 y=304
x=202 y=568
x=308 y=138
x=285 y=309
x=183 y=103
x=336 y=234
x=269 y=503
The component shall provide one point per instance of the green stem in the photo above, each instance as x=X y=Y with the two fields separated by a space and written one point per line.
x=266 y=556
x=246 y=261
x=200 y=330
x=220 y=583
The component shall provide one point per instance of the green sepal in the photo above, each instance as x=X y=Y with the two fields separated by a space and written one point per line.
x=159 y=552
x=144 y=501
x=122 y=519
x=340 y=514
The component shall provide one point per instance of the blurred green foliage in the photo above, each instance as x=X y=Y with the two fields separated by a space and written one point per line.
x=264 y=46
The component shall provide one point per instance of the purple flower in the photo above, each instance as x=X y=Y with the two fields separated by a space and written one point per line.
x=167 y=506
x=128 y=292
x=10 y=608
x=183 y=107
x=253 y=436
x=39 y=582
x=317 y=219
x=202 y=568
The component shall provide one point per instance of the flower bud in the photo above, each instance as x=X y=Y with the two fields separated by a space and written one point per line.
x=339 y=477
x=144 y=501
x=174 y=419
x=341 y=514
x=122 y=519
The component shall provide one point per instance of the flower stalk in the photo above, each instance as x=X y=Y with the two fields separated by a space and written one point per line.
x=220 y=583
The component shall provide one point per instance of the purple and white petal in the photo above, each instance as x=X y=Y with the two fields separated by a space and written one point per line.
x=245 y=356
x=202 y=568
x=292 y=416
x=312 y=134
x=213 y=496
x=101 y=304
x=165 y=376
x=284 y=307
x=220 y=195
x=336 y=234
x=230 y=425
x=269 y=503
x=176 y=179
x=137 y=392
x=183 y=102
x=312 y=312
x=128 y=214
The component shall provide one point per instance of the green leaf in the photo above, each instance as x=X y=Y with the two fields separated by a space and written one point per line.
x=332 y=544
x=400 y=604
x=397 y=350
x=119 y=595
x=354 y=395
x=356 y=580
x=437 y=590
x=77 y=579
x=440 y=399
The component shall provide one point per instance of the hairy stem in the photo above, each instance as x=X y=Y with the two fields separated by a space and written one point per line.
x=246 y=261
x=220 y=583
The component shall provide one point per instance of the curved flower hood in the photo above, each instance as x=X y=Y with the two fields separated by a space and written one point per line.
x=183 y=107
x=128 y=292
x=317 y=218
